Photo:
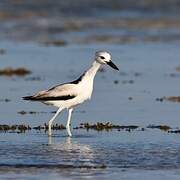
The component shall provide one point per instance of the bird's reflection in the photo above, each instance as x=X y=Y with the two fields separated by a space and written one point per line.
x=71 y=148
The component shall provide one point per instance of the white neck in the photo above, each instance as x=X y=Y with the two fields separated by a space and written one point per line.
x=93 y=69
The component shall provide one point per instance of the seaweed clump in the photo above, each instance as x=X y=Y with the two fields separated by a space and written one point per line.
x=54 y=127
x=105 y=126
x=14 y=128
x=33 y=112
x=56 y=43
x=169 y=98
x=173 y=98
x=11 y=72
x=161 y=127
x=176 y=131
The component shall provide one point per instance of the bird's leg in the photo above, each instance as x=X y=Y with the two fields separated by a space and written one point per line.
x=68 y=122
x=51 y=120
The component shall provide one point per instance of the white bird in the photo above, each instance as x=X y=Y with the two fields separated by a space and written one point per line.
x=71 y=94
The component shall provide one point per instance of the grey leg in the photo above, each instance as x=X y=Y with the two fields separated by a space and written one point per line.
x=68 y=122
x=51 y=120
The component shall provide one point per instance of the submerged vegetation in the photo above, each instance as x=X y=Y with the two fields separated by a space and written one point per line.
x=105 y=126
x=14 y=128
x=169 y=98
x=99 y=126
x=161 y=127
x=54 y=127
x=173 y=98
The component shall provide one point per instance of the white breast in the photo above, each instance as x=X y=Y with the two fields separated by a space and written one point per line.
x=86 y=87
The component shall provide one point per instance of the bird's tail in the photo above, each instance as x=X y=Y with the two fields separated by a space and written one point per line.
x=28 y=98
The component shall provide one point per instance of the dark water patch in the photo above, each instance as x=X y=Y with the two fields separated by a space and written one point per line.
x=173 y=75
x=55 y=43
x=116 y=82
x=37 y=78
x=33 y=8
x=5 y=100
x=128 y=81
x=126 y=39
x=126 y=23
x=2 y=51
x=123 y=73
x=134 y=74
x=14 y=72
x=50 y=166
x=160 y=99
x=137 y=74
x=81 y=111
x=107 y=39
x=161 y=38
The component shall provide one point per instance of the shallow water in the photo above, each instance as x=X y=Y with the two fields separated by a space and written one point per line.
x=147 y=71
x=56 y=41
x=90 y=155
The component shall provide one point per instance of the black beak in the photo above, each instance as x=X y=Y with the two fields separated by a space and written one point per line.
x=110 y=63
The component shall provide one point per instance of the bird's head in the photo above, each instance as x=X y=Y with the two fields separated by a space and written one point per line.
x=104 y=57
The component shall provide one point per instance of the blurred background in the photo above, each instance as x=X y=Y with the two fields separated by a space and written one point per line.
x=85 y=21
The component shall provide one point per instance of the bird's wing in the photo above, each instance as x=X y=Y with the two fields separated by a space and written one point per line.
x=60 y=92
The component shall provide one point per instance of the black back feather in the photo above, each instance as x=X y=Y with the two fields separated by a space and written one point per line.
x=52 y=98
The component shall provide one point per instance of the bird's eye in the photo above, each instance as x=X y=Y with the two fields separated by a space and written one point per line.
x=102 y=57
